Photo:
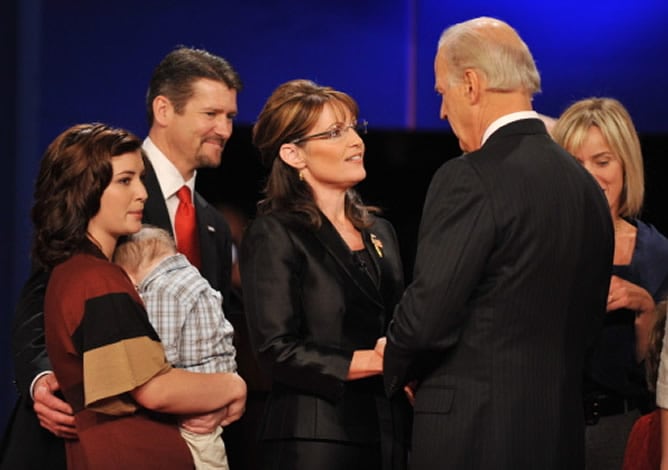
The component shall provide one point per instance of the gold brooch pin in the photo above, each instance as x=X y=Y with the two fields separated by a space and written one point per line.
x=377 y=244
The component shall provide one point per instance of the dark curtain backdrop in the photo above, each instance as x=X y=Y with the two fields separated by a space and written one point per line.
x=70 y=61
x=10 y=276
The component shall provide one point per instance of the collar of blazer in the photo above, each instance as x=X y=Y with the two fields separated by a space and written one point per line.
x=155 y=209
x=342 y=254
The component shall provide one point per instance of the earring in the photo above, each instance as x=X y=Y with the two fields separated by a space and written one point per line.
x=301 y=175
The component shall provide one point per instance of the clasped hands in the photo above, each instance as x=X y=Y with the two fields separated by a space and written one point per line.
x=409 y=388
x=625 y=294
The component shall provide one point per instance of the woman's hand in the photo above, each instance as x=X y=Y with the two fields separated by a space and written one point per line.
x=625 y=294
x=380 y=346
x=367 y=362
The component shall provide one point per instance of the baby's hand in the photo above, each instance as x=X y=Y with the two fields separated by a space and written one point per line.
x=204 y=423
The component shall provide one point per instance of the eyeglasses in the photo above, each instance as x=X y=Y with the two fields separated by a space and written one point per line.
x=336 y=132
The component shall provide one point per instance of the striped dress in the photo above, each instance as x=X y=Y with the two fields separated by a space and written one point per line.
x=102 y=346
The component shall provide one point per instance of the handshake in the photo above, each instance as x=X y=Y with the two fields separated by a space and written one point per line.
x=379 y=351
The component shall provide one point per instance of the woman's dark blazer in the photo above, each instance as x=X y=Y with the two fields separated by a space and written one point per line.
x=309 y=305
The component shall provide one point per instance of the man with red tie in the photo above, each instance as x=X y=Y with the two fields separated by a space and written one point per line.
x=191 y=104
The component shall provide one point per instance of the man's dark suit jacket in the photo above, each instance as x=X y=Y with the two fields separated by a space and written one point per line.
x=26 y=445
x=309 y=305
x=511 y=278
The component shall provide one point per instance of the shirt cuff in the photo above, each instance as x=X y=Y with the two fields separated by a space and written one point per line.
x=37 y=377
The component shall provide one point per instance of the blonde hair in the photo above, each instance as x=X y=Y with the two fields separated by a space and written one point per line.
x=614 y=122
x=144 y=247
x=494 y=48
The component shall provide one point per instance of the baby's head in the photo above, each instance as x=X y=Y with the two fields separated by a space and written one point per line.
x=139 y=253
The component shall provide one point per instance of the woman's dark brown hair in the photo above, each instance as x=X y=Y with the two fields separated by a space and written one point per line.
x=289 y=114
x=74 y=172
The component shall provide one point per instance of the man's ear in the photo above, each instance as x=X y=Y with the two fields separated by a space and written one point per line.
x=472 y=85
x=162 y=110
x=292 y=156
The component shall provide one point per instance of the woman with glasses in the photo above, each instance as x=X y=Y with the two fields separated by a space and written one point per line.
x=321 y=275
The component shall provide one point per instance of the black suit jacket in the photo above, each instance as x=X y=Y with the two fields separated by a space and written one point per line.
x=26 y=444
x=510 y=283
x=310 y=304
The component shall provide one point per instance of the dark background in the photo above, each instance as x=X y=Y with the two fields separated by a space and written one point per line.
x=71 y=61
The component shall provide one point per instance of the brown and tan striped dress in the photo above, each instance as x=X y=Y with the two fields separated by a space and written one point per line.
x=102 y=346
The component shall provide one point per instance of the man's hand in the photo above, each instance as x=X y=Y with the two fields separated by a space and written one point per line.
x=54 y=414
x=409 y=390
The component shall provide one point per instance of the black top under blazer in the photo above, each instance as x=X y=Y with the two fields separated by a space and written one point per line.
x=510 y=283
x=309 y=305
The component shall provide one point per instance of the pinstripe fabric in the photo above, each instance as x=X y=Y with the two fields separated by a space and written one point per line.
x=187 y=314
x=511 y=278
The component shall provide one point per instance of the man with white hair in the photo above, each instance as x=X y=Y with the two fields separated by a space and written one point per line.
x=511 y=275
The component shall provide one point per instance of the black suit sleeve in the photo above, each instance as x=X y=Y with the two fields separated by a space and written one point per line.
x=28 y=344
x=455 y=238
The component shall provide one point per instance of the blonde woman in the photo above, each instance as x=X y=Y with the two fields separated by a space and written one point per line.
x=600 y=134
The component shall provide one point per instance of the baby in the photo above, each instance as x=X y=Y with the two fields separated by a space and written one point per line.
x=188 y=316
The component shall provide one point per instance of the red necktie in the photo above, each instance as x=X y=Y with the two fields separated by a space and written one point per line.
x=185 y=226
